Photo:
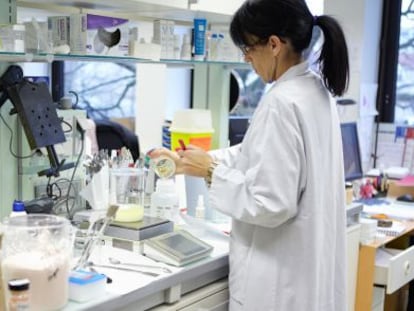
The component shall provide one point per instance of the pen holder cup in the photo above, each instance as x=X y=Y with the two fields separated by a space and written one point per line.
x=39 y=247
x=127 y=187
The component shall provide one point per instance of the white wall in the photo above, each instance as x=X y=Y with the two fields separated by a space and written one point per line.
x=361 y=21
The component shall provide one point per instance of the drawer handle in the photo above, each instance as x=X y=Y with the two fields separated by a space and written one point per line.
x=407 y=267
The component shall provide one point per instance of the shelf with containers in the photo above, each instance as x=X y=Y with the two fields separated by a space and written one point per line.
x=182 y=11
x=209 y=91
x=12 y=57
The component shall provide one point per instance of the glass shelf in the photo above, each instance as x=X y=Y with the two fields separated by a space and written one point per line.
x=43 y=57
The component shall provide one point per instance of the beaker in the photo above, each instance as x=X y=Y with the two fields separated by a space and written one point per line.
x=39 y=247
x=127 y=186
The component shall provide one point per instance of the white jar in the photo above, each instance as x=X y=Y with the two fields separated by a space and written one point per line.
x=165 y=200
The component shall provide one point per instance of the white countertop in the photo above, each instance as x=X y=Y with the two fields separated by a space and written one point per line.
x=127 y=287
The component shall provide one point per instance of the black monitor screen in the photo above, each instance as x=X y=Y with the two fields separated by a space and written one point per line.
x=352 y=155
x=237 y=128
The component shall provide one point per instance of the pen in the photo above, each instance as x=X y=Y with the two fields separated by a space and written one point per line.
x=181 y=142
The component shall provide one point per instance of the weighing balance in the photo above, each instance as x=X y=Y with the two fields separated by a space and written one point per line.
x=177 y=248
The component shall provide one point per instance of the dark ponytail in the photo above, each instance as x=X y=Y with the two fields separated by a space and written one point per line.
x=333 y=59
x=291 y=19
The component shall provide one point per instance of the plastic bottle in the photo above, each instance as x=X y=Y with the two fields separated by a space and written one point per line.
x=177 y=47
x=165 y=200
x=200 y=211
x=186 y=48
x=19 y=295
x=18 y=209
x=148 y=191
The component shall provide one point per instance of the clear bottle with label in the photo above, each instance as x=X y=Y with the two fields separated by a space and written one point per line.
x=165 y=200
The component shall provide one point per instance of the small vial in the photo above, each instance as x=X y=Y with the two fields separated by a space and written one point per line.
x=163 y=166
x=19 y=295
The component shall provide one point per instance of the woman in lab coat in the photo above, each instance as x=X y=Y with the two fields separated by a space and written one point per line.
x=283 y=185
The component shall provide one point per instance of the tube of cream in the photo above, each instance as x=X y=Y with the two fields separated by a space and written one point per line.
x=200 y=25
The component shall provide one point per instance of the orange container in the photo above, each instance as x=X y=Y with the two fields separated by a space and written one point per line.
x=193 y=127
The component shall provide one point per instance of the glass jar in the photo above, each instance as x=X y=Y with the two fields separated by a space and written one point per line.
x=126 y=189
x=163 y=166
x=38 y=247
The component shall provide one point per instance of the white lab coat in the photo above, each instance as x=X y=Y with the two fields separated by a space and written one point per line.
x=284 y=188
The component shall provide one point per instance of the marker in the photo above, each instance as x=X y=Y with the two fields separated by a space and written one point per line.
x=183 y=147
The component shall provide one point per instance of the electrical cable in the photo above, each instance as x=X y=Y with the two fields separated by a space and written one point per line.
x=72 y=178
x=68 y=124
x=11 y=142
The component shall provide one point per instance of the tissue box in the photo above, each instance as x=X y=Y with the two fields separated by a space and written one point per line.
x=145 y=50
x=99 y=35
x=86 y=285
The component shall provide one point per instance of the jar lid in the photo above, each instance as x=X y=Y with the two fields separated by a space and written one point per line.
x=18 y=206
x=19 y=284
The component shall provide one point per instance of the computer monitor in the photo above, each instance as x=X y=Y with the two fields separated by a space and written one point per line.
x=351 y=151
x=237 y=128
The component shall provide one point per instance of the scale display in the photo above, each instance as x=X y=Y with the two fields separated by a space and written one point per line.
x=176 y=248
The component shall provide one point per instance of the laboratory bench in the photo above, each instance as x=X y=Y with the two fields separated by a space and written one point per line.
x=202 y=283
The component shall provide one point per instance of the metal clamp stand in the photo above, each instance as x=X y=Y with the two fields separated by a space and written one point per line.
x=37 y=113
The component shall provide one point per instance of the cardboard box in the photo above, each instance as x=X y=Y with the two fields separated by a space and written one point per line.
x=396 y=190
x=98 y=35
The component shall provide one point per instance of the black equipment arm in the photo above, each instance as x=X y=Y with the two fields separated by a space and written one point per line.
x=37 y=113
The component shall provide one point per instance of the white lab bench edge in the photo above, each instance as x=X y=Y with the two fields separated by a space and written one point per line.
x=164 y=290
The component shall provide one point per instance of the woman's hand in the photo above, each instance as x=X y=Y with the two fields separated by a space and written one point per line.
x=195 y=161
x=155 y=153
x=192 y=161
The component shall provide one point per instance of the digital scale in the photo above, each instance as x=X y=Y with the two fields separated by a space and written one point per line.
x=177 y=248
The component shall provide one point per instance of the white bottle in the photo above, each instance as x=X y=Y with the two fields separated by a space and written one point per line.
x=186 y=48
x=213 y=47
x=18 y=209
x=177 y=47
x=200 y=211
x=165 y=200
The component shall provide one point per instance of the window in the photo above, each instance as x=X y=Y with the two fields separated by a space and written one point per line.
x=105 y=90
x=404 y=104
x=396 y=75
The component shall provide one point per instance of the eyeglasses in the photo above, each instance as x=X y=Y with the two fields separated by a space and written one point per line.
x=247 y=48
